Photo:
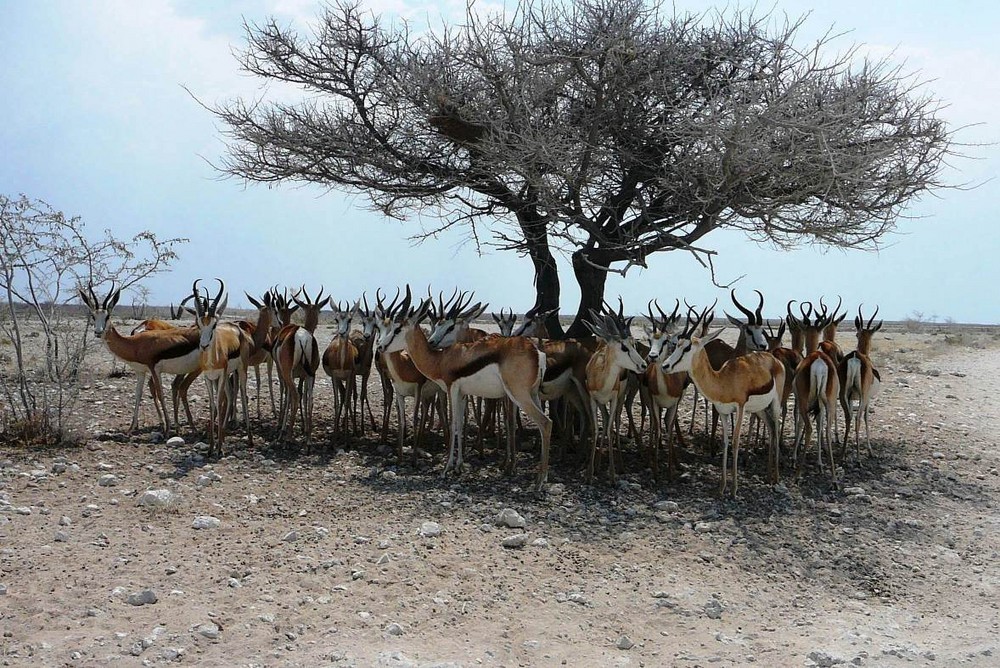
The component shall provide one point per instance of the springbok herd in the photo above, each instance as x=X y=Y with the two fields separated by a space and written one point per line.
x=581 y=379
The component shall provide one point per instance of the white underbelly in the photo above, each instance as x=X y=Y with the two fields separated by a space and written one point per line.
x=185 y=364
x=485 y=383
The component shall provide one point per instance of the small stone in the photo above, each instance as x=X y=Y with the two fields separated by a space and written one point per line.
x=516 y=541
x=60 y=467
x=23 y=510
x=624 y=642
x=854 y=491
x=704 y=527
x=509 y=517
x=713 y=609
x=61 y=537
x=206 y=522
x=234 y=583
x=64 y=521
x=824 y=659
x=556 y=489
x=3 y=590
x=171 y=653
x=667 y=506
x=203 y=481
x=175 y=441
x=144 y=597
x=394 y=629
x=430 y=529
x=540 y=542
x=290 y=537
x=577 y=597
x=155 y=498
x=384 y=559
x=210 y=631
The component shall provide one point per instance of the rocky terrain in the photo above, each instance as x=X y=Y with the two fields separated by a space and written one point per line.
x=133 y=549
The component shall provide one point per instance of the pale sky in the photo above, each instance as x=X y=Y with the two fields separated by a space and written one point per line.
x=94 y=119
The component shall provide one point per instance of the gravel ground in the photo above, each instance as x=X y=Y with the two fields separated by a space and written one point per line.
x=129 y=550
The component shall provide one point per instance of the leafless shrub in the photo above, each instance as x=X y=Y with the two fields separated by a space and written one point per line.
x=43 y=257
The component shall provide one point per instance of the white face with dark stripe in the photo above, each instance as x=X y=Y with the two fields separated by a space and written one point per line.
x=680 y=359
x=207 y=325
x=391 y=335
x=445 y=332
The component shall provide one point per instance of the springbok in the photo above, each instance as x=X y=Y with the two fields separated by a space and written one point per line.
x=615 y=355
x=225 y=350
x=493 y=367
x=859 y=379
x=662 y=391
x=746 y=383
x=296 y=354
x=339 y=361
x=151 y=353
x=817 y=388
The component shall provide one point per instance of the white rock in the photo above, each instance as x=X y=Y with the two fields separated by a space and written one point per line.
x=854 y=491
x=290 y=537
x=540 y=542
x=206 y=522
x=3 y=590
x=61 y=537
x=430 y=529
x=23 y=510
x=60 y=467
x=210 y=631
x=203 y=481
x=509 y=517
x=704 y=527
x=667 y=506
x=394 y=629
x=624 y=642
x=175 y=441
x=516 y=541
x=65 y=521
x=144 y=597
x=156 y=498
x=234 y=583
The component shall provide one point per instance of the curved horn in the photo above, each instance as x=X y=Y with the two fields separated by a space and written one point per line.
x=197 y=297
x=215 y=302
x=404 y=306
x=747 y=312
x=872 y=319
x=760 y=307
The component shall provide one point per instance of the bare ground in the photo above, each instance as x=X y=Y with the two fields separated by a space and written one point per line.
x=896 y=565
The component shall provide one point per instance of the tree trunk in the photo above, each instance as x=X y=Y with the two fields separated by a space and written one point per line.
x=546 y=273
x=591 y=280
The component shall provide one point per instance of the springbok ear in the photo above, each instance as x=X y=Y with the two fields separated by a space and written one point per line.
x=191 y=311
x=878 y=326
x=222 y=306
x=711 y=336
x=735 y=322
x=84 y=297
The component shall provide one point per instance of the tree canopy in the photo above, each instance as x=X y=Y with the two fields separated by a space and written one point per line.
x=608 y=130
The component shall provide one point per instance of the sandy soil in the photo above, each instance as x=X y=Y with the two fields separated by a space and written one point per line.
x=321 y=560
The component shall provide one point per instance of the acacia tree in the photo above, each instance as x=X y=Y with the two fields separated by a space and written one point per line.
x=605 y=129
x=44 y=256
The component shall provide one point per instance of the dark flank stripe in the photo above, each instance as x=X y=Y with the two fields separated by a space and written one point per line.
x=234 y=353
x=477 y=364
x=763 y=389
x=179 y=349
